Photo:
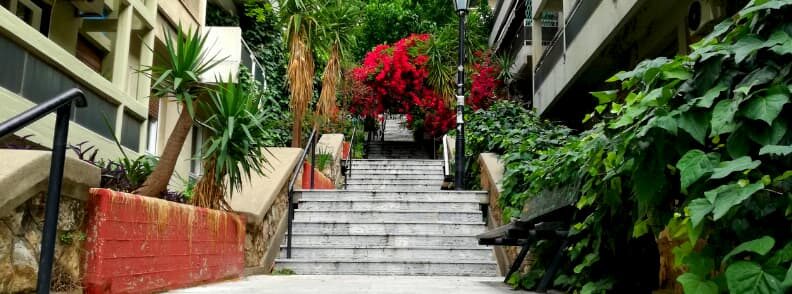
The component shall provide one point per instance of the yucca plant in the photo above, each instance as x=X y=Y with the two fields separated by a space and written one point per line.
x=235 y=145
x=299 y=17
x=185 y=60
x=339 y=19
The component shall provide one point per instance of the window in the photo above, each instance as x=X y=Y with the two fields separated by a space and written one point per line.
x=151 y=140
x=26 y=10
x=152 y=136
x=195 y=154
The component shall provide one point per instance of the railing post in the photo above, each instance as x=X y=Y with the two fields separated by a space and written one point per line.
x=289 y=221
x=313 y=159
x=53 y=198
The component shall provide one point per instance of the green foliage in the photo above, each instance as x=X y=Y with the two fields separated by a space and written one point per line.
x=283 y=272
x=276 y=119
x=322 y=159
x=185 y=61
x=697 y=146
x=237 y=135
x=510 y=129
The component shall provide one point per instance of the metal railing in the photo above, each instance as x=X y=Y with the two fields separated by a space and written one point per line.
x=446 y=162
x=349 y=156
x=62 y=106
x=311 y=144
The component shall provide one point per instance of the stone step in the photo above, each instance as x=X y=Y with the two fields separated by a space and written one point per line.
x=389 y=228
x=387 y=205
x=390 y=215
x=370 y=195
x=400 y=162
x=395 y=171
x=391 y=253
x=380 y=240
x=412 y=267
x=432 y=176
x=395 y=187
x=380 y=181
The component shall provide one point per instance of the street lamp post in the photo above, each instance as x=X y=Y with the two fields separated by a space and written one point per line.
x=461 y=7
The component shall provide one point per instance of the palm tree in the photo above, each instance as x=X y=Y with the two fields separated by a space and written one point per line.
x=234 y=148
x=185 y=60
x=300 y=20
x=339 y=19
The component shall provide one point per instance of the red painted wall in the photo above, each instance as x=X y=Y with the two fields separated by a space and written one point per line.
x=138 y=244
x=321 y=182
x=345 y=150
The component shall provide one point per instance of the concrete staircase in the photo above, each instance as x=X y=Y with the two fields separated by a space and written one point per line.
x=393 y=219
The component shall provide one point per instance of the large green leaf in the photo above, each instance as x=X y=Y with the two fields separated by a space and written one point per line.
x=692 y=166
x=771 y=135
x=723 y=117
x=768 y=106
x=757 y=77
x=746 y=46
x=780 y=42
x=762 y=5
x=750 y=277
x=759 y=246
x=727 y=167
x=708 y=99
x=692 y=283
x=699 y=208
x=725 y=197
x=695 y=123
x=604 y=96
x=776 y=150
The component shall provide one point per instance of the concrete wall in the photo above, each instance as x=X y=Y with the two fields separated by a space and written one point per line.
x=263 y=200
x=332 y=144
x=491 y=177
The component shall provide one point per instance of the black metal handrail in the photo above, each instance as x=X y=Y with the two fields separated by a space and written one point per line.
x=311 y=144
x=61 y=105
x=349 y=160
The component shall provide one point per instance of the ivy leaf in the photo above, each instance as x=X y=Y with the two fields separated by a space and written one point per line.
x=699 y=264
x=771 y=135
x=776 y=150
x=759 y=246
x=723 y=117
x=780 y=42
x=746 y=46
x=698 y=209
x=772 y=4
x=727 y=167
x=749 y=277
x=738 y=144
x=605 y=96
x=757 y=77
x=725 y=197
x=787 y=283
x=692 y=166
x=709 y=97
x=696 y=124
x=769 y=106
x=692 y=283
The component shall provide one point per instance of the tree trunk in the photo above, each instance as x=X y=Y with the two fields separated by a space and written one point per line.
x=297 y=133
x=208 y=192
x=157 y=182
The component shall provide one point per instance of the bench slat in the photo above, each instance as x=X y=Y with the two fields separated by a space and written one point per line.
x=548 y=201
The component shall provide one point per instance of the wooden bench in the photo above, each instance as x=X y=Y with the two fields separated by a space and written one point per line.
x=547 y=216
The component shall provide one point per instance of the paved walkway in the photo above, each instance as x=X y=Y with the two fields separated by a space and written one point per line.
x=306 y=284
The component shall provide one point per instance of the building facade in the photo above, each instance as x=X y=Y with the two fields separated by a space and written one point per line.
x=102 y=47
x=594 y=39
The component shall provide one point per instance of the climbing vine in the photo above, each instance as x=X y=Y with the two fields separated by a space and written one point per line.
x=692 y=153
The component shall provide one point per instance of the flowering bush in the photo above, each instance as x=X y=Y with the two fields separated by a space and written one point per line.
x=394 y=79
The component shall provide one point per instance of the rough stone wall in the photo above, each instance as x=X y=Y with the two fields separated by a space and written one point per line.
x=259 y=236
x=509 y=253
x=20 y=246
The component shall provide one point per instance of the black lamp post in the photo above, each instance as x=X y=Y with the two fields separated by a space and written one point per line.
x=461 y=7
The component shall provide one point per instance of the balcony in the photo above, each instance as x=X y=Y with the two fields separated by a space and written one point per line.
x=587 y=27
x=227 y=42
x=38 y=66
